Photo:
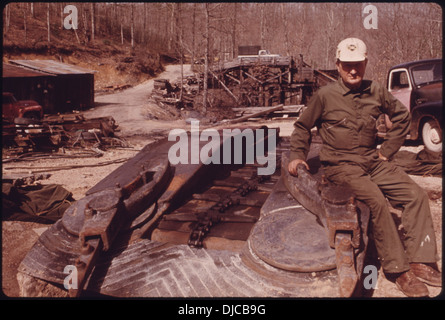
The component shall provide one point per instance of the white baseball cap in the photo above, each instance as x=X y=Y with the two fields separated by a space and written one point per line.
x=352 y=50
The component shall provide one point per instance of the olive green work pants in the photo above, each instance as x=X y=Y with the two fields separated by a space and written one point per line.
x=373 y=184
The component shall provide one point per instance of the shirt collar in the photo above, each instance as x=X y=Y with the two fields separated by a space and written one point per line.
x=365 y=86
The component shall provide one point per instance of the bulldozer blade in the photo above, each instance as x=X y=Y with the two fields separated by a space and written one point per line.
x=55 y=249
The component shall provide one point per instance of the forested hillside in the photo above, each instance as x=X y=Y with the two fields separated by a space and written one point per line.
x=394 y=32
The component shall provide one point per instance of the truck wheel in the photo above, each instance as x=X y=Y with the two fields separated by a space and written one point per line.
x=432 y=136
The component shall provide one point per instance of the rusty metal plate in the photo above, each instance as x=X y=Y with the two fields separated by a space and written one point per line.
x=74 y=217
x=53 y=251
x=293 y=240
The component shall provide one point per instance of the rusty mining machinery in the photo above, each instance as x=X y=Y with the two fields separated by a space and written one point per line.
x=156 y=229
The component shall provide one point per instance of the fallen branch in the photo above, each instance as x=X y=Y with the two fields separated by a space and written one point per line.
x=45 y=169
x=34 y=156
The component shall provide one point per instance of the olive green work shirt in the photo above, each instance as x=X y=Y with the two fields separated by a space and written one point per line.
x=346 y=121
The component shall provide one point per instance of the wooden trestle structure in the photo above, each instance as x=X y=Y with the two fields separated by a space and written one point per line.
x=267 y=80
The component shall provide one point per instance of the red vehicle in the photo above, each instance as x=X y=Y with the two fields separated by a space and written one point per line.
x=19 y=111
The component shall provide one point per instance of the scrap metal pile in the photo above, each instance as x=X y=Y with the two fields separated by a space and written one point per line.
x=177 y=95
x=55 y=132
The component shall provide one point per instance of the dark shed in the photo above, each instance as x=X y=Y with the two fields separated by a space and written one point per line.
x=72 y=88
x=28 y=84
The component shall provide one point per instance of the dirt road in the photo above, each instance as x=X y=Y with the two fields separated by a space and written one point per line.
x=131 y=108
x=134 y=112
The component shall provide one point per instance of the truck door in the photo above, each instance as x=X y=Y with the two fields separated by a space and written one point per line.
x=400 y=86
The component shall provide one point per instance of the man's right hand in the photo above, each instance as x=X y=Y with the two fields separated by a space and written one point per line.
x=293 y=165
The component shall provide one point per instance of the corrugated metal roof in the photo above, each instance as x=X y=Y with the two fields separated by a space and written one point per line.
x=13 y=71
x=52 y=66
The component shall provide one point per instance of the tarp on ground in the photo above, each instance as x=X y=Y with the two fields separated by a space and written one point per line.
x=37 y=203
x=423 y=163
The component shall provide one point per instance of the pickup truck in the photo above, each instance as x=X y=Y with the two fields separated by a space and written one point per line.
x=22 y=111
x=418 y=85
x=259 y=54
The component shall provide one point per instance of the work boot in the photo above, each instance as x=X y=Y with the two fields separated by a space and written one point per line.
x=427 y=274
x=408 y=283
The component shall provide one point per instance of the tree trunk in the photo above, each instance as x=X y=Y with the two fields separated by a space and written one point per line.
x=193 y=33
x=172 y=27
x=263 y=27
x=85 y=24
x=286 y=31
x=144 y=31
x=132 y=25
x=92 y=20
x=180 y=27
x=206 y=55
x=122 y=25
x=25 y=24
x=48 y=23
x=235 y=22
x=7 y=16
x=62 y=15
x=122 y=34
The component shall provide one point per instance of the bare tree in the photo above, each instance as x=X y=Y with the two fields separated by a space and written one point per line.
x=62 y=14
x=263 y=26
x=171 y=30
x=122 y=26
x=25 y=27
x=206 y=55
x=48 y=23
x=145 y=31
x=286 y=29
x=7 y=17
x=234 y=29
x=329 y=35
x=93 y=24
x=180 y=27
x=193 y=33
x=132 y=24
x=406 y=31
x=84 y=21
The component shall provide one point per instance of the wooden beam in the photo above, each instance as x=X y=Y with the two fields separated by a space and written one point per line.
x=250 y=76
x=281 y=74
x=224 y=86
x=257 y=114
x=290 y=108
x=233 y=78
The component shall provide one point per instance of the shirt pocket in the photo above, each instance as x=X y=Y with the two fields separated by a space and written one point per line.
x=338 y=133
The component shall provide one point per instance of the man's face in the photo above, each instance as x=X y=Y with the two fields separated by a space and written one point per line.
x=352 y=72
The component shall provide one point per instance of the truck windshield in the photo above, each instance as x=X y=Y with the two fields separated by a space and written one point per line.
x=8 y=99
x=426 y=73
